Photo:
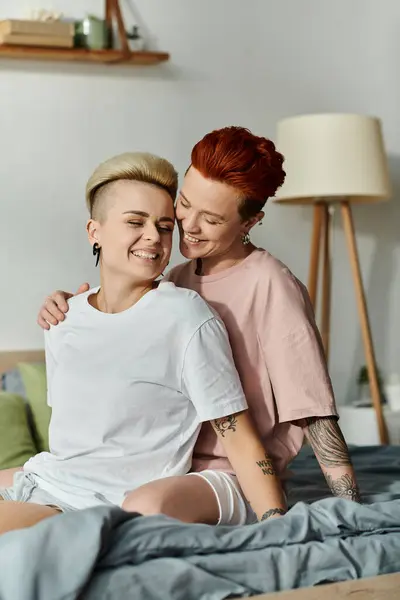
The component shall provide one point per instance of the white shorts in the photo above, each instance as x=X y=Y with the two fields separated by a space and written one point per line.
x=26 y=489
x=233 y=506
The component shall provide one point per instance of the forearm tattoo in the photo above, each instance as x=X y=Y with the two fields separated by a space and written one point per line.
x=344 y=487
x=327 y=441
x=271 y=512
x=224 y=424
x=266 y=465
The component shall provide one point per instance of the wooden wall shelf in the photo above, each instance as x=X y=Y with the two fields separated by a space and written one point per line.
x=80 y=55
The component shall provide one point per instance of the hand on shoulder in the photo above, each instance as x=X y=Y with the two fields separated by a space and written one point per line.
x=55 y=306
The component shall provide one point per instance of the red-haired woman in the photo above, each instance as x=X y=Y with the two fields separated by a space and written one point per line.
x=271 y=326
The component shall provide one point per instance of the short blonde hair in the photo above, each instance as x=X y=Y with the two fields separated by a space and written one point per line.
x=133 y=166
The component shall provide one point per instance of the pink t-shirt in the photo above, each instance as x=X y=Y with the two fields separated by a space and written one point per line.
x=277 y=350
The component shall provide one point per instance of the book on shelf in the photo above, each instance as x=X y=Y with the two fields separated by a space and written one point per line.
x=47 y=41
x=30 y=27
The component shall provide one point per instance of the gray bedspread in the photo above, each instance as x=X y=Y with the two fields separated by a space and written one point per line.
x=377 y=468
x=104 y=553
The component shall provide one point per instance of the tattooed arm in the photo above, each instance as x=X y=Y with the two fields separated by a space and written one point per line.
x=253 y=467
x=330 y=448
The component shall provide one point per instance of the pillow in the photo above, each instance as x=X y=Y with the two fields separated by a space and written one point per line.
x=16 y=443
x=12 y=382
x=34 y=380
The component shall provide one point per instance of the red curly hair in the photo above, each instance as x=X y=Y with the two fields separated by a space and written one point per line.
x=237 y=157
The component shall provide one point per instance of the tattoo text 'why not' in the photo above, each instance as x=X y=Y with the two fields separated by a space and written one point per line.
x=266 y=466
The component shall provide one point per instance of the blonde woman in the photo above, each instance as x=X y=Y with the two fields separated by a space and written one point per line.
x=133 y=373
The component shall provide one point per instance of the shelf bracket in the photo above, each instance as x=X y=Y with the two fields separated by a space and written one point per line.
x=113 y=10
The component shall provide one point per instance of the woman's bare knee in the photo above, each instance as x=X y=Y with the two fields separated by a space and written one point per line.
x=18 y=515
x=144 y=501
x=189 y=499
x=7 y=477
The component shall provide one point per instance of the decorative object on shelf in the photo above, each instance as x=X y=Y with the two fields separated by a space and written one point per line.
x=92 y=33
x=24 y=27
x=136 y=41
x=50 y=33
x=41 y=14
x=336 y=160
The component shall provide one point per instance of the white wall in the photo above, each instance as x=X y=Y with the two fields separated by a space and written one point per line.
x=233 y=62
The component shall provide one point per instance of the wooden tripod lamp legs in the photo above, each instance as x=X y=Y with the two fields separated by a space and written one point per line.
x=348 y=225
x=326 y=280
x=314 y=255
x=320 y=235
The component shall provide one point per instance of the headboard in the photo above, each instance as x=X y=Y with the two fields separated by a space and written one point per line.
x=9 y=360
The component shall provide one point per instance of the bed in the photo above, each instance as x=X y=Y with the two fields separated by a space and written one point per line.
x=378 y=471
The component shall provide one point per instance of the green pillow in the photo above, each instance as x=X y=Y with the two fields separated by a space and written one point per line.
x=34 y=380
x=16 y=443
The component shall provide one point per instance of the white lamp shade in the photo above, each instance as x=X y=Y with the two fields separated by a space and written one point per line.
x=331 y=157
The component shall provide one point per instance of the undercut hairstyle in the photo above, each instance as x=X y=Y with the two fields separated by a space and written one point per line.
x=246 y=162
x=132 y=166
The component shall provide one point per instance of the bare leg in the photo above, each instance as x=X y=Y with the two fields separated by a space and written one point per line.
x=18 y=515
x=7 y=476
x=188 y=498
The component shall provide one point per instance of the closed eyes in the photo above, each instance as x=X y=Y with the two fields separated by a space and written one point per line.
x=162 y=228
x=208 y=220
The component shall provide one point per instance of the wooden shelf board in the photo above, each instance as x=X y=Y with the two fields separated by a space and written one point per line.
x=80 y=55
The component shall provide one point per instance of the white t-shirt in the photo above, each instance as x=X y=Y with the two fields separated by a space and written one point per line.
x=129 y=392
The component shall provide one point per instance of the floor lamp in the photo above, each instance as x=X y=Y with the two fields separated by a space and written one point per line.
x=336 y=160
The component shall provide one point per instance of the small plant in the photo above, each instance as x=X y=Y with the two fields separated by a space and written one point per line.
x=363 y=376
x=363 y=379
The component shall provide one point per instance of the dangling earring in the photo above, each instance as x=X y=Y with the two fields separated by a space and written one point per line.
x=96 y=251
x=199 y=267
x=245 y=239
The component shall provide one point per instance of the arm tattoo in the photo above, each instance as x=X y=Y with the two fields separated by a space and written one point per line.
x=222 y=425
x=344 y=487
x=271 y=512
x=266 y=465
x=327 y=441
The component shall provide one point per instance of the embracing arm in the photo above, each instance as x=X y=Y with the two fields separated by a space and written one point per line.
x=55 y=307
x=330 y=448
x=253 y=467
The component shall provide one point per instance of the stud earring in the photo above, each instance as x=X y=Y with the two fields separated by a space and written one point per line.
x=96 y=251
x=245 y=239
